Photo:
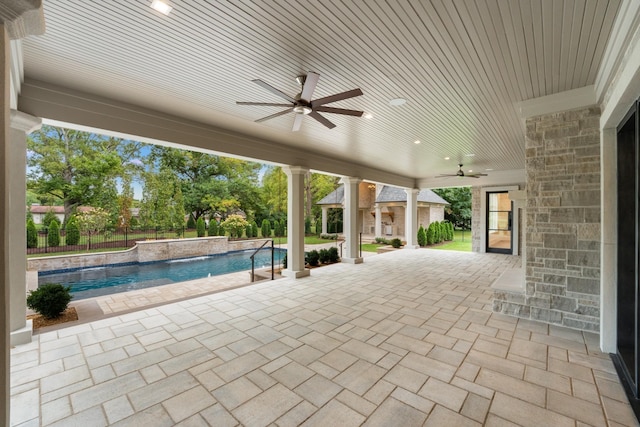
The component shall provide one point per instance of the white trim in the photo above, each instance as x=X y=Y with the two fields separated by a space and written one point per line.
x=563 y=101
x=483 y=218
x=623 y=28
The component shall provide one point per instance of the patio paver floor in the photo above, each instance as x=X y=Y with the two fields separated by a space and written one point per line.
x=407 y=338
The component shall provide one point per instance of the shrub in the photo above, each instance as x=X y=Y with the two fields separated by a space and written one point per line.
x=312 y=258
x=213 y=228
x=32 y=235
x=437 y=237
x=248 y=231
x=318 y=226
x=235 y=225
x=324 y=256
x=191 y=223
x=284 y=261
x=333 y=254
x=50 y=217
x=49 y=300
x=72 y=232
x=307 y=225
x=53 y=237
x=382 y=241
x=431 y=234
x=449 y=231
x=266 y=228
x=254 y=229
x=396 y=243
x=422 y=236
x=328 y=236
x=283 y=227
x=200 y=227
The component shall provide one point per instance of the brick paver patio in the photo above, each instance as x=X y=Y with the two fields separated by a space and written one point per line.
x=405 y=339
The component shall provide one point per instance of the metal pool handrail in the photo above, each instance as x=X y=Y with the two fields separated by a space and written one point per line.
x=253 y=261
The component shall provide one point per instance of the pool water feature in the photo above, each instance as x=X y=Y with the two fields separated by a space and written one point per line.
x=99 y=281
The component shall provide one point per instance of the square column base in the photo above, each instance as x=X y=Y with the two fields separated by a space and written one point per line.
x=22 y=335
x=296 y=274
x=352 y=260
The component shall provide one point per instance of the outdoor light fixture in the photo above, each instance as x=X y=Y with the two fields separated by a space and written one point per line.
x=302 y=109
x=368 y=116
x=161 y=7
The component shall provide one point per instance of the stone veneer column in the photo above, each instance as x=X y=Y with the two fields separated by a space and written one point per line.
x=295 y=222
x=351 y=219
x=476 y=226
x=15 y=167
x=563 y=219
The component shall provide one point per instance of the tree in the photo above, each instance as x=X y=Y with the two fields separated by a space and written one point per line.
x=431 y=234
x=210 y=183
x=162 y=201
x=32 y=234
x=92 y=222
x=274 y=191
x=422 y=236
x=191 y=222
x=125 y=203
x=53 y=235
x=459 y=210
x=234 y=225
x=254 y=229
x=75 y=167
x=200 y=227
x=320 y=186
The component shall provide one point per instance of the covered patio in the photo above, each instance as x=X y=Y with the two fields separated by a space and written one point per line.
x=407 y=338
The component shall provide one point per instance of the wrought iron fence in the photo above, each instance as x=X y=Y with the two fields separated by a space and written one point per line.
x=109 y=238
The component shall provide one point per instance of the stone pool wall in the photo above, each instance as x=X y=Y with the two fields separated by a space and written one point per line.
x=148 y=251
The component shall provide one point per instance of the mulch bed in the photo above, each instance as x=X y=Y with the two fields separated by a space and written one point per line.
x=39 y=321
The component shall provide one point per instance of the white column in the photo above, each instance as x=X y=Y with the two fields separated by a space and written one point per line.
x=325 y=214
x=351 y=220
x=378 y=232
x=411 y=219
x=5 y=249
x=295 y=222
x=15 y=167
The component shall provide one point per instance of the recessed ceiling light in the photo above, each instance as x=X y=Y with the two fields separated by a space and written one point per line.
x=161 y=7
x=368 y=116
x=469 y=155
x=447 y=158
x=417 y=141
x=397 y=101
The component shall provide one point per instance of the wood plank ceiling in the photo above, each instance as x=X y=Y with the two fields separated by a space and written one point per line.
x=461 y=65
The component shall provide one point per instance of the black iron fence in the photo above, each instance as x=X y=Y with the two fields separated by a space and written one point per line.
x=106 y=239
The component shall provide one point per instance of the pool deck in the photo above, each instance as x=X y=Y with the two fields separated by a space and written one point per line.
x=406 y=338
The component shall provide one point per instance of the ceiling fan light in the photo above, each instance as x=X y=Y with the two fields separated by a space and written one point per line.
x=302 y=109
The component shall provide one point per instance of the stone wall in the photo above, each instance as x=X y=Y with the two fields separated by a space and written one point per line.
x=476 y=227
x=148 y=251
x=563 y=220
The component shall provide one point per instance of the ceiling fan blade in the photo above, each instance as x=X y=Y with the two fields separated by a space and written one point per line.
x=321 y=119
x=309 y=86
x=280 y=113
x=476 y=175
x=263 y=104
x=333 y=110
x=337 y=97
x=445 y=175
x=297 y=122
x=273 y=90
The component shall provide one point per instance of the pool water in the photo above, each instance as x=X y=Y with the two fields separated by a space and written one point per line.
x=99 y=281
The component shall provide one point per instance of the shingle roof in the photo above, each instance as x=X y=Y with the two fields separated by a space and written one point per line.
x=395 y=194
x=333 y=198
x=387 y=194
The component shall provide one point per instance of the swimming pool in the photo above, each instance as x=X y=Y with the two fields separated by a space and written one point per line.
x=99 y=281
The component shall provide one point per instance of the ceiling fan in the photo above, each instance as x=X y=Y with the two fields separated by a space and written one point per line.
x=303 y=105
x=461 y=173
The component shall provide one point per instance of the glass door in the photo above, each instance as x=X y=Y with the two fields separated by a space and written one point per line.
x=499 y=222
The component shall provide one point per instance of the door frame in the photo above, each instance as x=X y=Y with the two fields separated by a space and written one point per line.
x=515 y=229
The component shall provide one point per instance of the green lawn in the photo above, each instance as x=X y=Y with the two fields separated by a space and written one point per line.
x=461 y=242
x=370 y=247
